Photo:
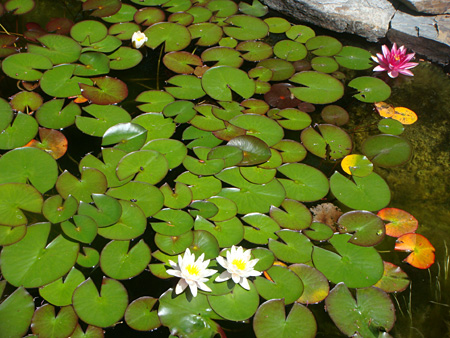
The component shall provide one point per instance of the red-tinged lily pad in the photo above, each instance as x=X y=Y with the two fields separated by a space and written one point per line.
x=102 y=308
x=334 y=114
x=92 y=181
x=280 y=96
x=394 y=279
x=106 y=90
x=52 y=142
x=370 y=314
x=422 y=252
x=6 y=42
x=180 y=62
x=46 y=262
x=24 y=66
x=26 y=102
x=316 y=286
x=102 y=8
x=45 y=324
x=399 y=222
x=271 y=321
x=141 y=315
x=174 y=36
x=367 y=228
x=59 y=26
x=16 y=312
x=15 y=197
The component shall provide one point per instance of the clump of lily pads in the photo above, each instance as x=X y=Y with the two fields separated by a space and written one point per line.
x=207 y=188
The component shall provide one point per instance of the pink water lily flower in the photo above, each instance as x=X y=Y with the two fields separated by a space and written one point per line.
x=394 y=61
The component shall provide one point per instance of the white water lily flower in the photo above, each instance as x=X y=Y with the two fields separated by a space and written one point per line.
x=138 y=39
x=192 y=272
x=239 y=266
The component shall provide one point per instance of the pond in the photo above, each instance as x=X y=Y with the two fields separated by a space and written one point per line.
x=228 y=128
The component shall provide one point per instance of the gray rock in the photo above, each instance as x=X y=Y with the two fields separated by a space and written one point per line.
x=427 y=35
x=368 y=18
x=428 y=6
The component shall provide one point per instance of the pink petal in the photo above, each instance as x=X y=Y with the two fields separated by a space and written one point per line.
x=393 y=73
x=405 y=72
x=379 y=69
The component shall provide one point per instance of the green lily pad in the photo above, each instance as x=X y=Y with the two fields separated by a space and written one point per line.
x=19 y=133
x=102 y=308
x=354 y=58
x=300 y=33
x=176 y=222
x=200 y=14
x=127 y=136
x=208 y=34
x=387 y=150
x=219 y=82
x=295 y=217
x=332 y=141
x=281 y=69
x=293 y=119
x=290 y=50
x=174 y=36
x=262 y=228
x=224 y=56
x=173 y=150
x=16 y=312
x=323 y=45
x=91 y=332
x=88 y=32
x=23 y=165
x=45 y=262
x=367 y=228
x=316 y=287
x=174 y=245
x=6 y=114
x=89 y=258
x=141 y=316
x=84 y=230
x=334 y=114
x=173 y=6
x=57 y=211
x=102 y=8
x=180 y=62
x=10 y=235
x=60 y=82
x=319 y=232
x=285 y=284
x=157 y=126
x=148 y=16
x=148 y=197
x=259 y=126
x=205 y=119
x=230 y=155
x=255 y=106
x=178 y=198
x=46 y=324
x=186 y=87
x=105 y=117
x=262 y=74
x=245 y=27
x=15 y=197
x=270 y=321
x=118 y=261
x=107 y=45
x=291 y=151
x=239 y=304
x=132 y=223
x=370 y=89
x=58 y=48
x=305 y=183
x=92 y=182
x=26 y=102
x=24 y=66
x=258 y=175
x=201 y=138
x=182 y=110
x=124 y=58
x=19 y=7
x=155 y=100
x=203 y=208
x=52 y=114
x=356 y=266
x=364 y=193
x=185 y=314
x=318 y=88
x=125 y=14
x=204 y=243
x=390 y=126
x=201 y=187
x=93 y=63
x=182 y=18
x=106 y=212
x=324 y=64
x=372 y=311
x=278 y=25
x=250 y=197
x=106 y=90
x=229 y=232
x=255 y=9
x=297 y=249
x=59 y=292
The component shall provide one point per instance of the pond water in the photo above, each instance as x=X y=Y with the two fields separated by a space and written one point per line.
x=420 y=187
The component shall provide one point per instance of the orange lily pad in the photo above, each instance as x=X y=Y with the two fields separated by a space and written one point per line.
x=404 y=115
x=384 y=109
x=400 y=221
x=52 y=141
x=422 y=252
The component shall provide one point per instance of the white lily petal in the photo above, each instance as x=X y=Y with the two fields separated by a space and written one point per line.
x=180 y=286
x=244 y=284
x=223 y=277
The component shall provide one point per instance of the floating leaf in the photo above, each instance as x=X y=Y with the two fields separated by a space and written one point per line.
x=46 y=324
x=52 y=114
x=60 y=292
x=56 y=211
x=45 y=262
x=319 y=88
x=84 y=230
x=384 y=109
x=399 y=221
x=296 y=248
x=208 y=34
x=367 y=228
x=295 y=217
x=255 y=9
x=106 y=90
x=404 y=115
x=19 y=133
x=141 y=316
x=281 y=69
x=60 y=82
x=370 y=89
x=105 y=116
x=300 y=33
x=88 y=32
x=357 y=165
x=102 y=8
x=125 y=14
x=93 y=63
x=244 y=27
x=254 y=150
x=354 y=58
x=290 y=50
x=11 y=235
x=256 y=50
x=323 y=45
x=218 y=82
x=324 y=64
x=174 y=36
x=422 y=252
x=316 y=287
x=387 y=150
x=370 y=313
x=126 y=136
x=180 y=62
x=102 y=308
x=356 y=266
x=24 y=66
x=390 y=126
x=270 y=321
x=16 y=312
x=334 y=114
x=92 y=181
x=186 y=87
x=53 y=142
x=58 y=48
x=394 y=279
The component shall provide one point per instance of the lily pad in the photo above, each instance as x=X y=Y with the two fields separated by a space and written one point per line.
x=295 y=217
x=84 y=230
x=124 y=58
x=45 y=323
x=24 y=66
x=186 y=87
x=174 y=245
x=367 y=228
x=357 y=165
x=59 y=292
x=323 y=45
x=106 y=90
x=255 y=50
x=88 y=32
x=141 y=316
x=219 y=82
x=270 y=321
x=180 y=62
x=281 y=69
x=296 y=248
x=316 y=287
x=58 y=48
x=46 y=262
x=60 y=82
x=16 y=312
x=259 y=126
x=174 y=36
x=105 y=116
x=10 y=235
x=92 y=181
x=176 y=222
x=399 y=222
x=354 y=58
x=262 y=228
x=255 y=150
x=245 y=27
x=208 y=34
x=370 y=89
x=52 y=114
x=422 y=251
x=19 y=133
x=318 y=88
x=387 y=150
x=223 y=56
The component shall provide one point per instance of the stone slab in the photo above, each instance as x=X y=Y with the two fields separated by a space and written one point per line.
x=428 y=6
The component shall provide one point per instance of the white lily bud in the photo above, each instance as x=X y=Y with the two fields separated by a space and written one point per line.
x=138 y=39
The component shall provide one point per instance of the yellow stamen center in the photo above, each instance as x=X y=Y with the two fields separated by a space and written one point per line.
x=193 y=269
x=239 y=263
